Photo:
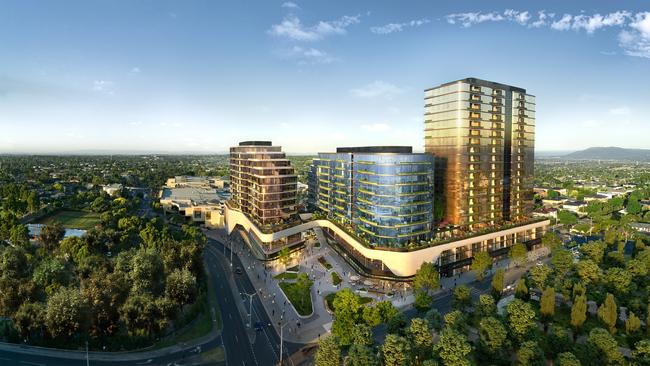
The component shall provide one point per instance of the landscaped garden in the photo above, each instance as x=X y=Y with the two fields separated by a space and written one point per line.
x=325 y=263
x=299 y=294
x=336 y=279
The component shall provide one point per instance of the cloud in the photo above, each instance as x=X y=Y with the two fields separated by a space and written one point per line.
x=636 y=40
x=542 y=19
x=375 y=127
x=104 y=86
x=398 y=27
x=290 y=5
x=309 y=55
x=135 y=70
x=291 y=27
x=376 y=89
x=620 y=111
x=469 y=19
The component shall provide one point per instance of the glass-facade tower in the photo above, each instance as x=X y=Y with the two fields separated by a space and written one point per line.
x=482 y=134
x=384 y=193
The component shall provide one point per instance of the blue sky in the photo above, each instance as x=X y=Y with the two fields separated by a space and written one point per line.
x=309 y=75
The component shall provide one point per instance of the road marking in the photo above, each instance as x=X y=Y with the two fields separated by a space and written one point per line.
x=236 y=339
x=33 y=363
x=145 y=362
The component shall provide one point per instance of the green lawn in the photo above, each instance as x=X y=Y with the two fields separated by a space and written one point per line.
x=336 y=279
x=82 y=220
x=301 y=300
x=286 y=276
x=213 y=356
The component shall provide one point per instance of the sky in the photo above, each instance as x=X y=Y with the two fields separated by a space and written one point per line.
x=200 y=76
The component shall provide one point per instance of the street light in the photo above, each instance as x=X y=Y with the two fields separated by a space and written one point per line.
x=87 y=359
x=250 y=305
x=281 y=336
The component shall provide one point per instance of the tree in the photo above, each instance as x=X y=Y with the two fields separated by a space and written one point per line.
x=303 y=285
x=486 y=306
x=606 y=347
x=595 y=250
x=567 y=359
x=387 y=310
x=607 y=313
x=618 y=279
x=423 y=301
x=461 y=297
x=362 y=335
x=360 y=355
x=521 y=290
x=567 y=218
x=521 y=319
x=65 y=314
x=284 y=256
x=104 y=294
x=539 y=275
x=19 y=236
x=346 y=313
x=371 y=316
x=396 y=351
x=421 y=338
x=641 y=352
x=181 y=287
x=455 y=319
x=328 y=353
x=547 y=303
x=519 y=254
x=558 y=340
x=632 y=325
x=51 y=274
x=34 y=203
x=551 y=240
x=588 y=270
x=51 y=235
x=562 y=260
x=426 y=278
x=633 y=206
x=530 y=354
x=147 y=272
x=453 y=348
x=434 y=319
x=29 y=318
x=492 y=335
x=578 y=312
x=497 y=282
x=636 y=268
x=74 y=248
x=481 y=262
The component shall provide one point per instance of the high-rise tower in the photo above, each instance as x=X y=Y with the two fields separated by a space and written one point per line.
x=482 y=134
x=262 y=182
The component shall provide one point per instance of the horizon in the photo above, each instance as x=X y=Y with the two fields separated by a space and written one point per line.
x=178 y=76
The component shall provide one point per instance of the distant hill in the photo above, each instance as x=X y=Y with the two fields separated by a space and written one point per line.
x=610 y=153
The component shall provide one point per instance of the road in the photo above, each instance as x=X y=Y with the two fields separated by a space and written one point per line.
x=266 y=346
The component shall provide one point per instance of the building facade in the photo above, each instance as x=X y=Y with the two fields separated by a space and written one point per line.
x=263 y=183
x=384 y=193
x=482 y=134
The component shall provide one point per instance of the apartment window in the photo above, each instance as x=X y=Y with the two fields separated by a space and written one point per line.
x=475 y=124
x=475 y=133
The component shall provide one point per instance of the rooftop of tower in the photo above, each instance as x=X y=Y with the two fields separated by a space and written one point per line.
x=482 y=82
x=376 y=149
x=255 y=143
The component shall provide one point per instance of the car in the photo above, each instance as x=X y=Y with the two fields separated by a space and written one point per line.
x=238 y=270
x=259 y=326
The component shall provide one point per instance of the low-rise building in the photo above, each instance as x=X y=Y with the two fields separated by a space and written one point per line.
x=203 y=205
x=185 y=181
x=112 y=189
x=575 y=206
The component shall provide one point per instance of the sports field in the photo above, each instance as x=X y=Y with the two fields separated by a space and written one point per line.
x=73 y=219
